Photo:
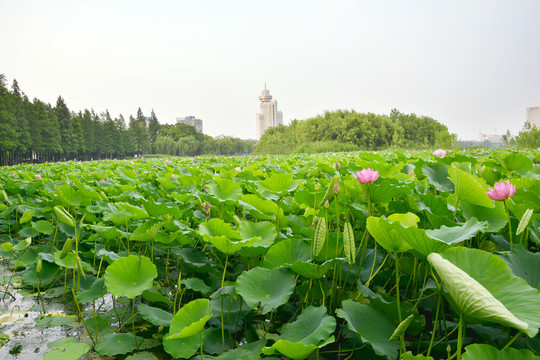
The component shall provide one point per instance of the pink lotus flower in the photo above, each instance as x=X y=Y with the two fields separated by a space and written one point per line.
x=38 y=176
x=440 y=153
x=102 y=180
x=366 y=176
x=238 y=168
x=502 y=191
x=173 y=176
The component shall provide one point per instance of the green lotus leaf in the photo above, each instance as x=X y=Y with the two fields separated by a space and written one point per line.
x=248 y=351
x=483 y=287
x=155 y=209
x=495 y=217
x=387 y=189
x=524 y=264
x=116 y=344
x=68 y=351
x=468 y=188
x=107 y=232
x=225 y=189
x=313 y=326
x=130 y=276
x=183 y=348
x=372 y=326
x=488 y=352
x=409 y=356
x=43 y=227
x=293 y=350
x=96 y=291
x=286 y=252
x=312 y=270
x=196 y=284
x=143 y=355
x=278 y=184
x=154 y=315
x=263 y=229
x=48 y=321
x=456 y=234
x=190 y=319
x=216 y=227
x=520 y=162
x=260 y=209
x=26 y=216
x=437 y=176
x=269 y=287
x=390 y=234
x=69 y=195
x=49 y=273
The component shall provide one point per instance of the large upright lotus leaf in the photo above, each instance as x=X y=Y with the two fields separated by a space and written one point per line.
x=483 y=287
x=292 y=350
x=263 y=230
x=312 y=270
x=373 y=327
x=190 y=319
x=129 y=276
x=269 y=287
x=225 y=189
x=456 y=234
x=390 y=235
x=154 y=315
x=437 y=176
x=313 y=326
x=43 y=227
x=386 y=190
x=495 y=217
x=468 y=188
x=217 y=227
x=278 y=184
x=312 y=329
x=107 y=232
x=260 y=209
x=285 y=253
x=488 y=352
x=524 y=264
x=157 y=210
x=518 y=162
x=69 y=195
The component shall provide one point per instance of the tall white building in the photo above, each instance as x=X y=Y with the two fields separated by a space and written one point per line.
x=190 y=120
x=533 y=116
x=269 y=115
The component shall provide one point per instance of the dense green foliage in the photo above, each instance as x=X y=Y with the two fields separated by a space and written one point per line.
x=281 y=257
x=348 y=130
x=32 y=131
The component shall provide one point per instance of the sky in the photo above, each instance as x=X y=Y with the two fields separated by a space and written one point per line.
x=472 y=65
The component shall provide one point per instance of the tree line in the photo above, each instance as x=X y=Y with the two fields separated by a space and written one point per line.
x=528 y=137
x=35 y=131
x=344 y=130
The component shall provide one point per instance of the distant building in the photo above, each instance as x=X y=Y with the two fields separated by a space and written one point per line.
x=493 y=138
x=190 y=120
x=533 y=116
x=269 y=116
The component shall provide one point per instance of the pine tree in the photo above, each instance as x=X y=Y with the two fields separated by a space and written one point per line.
x=66 y=127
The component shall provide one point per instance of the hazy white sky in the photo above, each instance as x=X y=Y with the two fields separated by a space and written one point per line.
x=473 y=65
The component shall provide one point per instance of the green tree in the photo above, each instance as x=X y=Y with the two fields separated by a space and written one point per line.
x=153 y=130
x=66 y=127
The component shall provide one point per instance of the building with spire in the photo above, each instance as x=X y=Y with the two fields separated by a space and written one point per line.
x=269 y=115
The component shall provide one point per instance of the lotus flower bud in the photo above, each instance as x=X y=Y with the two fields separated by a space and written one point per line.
x=336 y=189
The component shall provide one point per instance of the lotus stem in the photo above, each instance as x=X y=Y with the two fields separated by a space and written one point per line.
x=509 y=224
x=133 y=323
x=460 y=337
x=82 y=317
x=512 y=340
x=202 y=355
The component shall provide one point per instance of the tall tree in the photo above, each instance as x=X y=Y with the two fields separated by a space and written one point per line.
x=66 y=127
x=153 y=129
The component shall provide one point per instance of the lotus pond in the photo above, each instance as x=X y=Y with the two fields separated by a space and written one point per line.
x=396 y=255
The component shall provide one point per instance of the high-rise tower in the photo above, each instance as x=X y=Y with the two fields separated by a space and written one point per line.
x=269 y=115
